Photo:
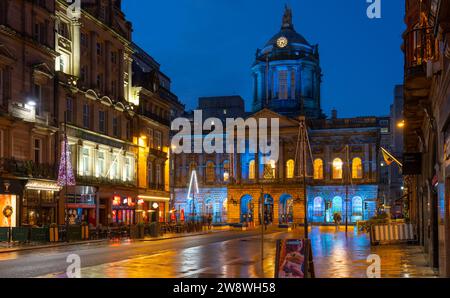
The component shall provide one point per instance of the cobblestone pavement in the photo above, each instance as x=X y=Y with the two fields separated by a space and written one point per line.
x=335 y=256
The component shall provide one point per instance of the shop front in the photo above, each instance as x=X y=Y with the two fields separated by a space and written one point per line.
x=80 y=206
x=124 y=210
x=153 y=209
x=10 y=194
x=39 y=203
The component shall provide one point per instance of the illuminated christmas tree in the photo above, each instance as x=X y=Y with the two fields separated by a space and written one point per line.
x=65 y=174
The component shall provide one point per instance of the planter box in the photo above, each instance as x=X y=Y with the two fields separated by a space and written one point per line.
x=4 y=234
x=39 y=235
x=21 y=234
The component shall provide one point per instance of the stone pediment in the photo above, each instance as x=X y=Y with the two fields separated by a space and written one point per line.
x=267 y=113
x=43 y=69
x=6 y=56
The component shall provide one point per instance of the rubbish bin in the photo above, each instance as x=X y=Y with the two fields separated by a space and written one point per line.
x=154 y=230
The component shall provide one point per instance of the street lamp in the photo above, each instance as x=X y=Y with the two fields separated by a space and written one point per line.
x=401 y=124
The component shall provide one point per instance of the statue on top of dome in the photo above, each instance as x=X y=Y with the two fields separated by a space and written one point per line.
x=287 y=17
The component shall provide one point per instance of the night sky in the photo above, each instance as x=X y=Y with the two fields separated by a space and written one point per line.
x=207 y=47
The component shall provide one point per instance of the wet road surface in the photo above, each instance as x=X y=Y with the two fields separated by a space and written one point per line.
x=225 y=254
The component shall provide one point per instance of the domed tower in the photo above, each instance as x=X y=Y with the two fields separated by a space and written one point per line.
x=287 y=74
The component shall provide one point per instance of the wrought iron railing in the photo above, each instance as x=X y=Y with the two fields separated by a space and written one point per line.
x=94 y=181
x=28 y=168
x=420 y=47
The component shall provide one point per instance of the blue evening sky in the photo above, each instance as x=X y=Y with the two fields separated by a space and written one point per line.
x=207 y=47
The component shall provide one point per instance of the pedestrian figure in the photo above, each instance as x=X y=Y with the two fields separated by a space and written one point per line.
x=337 y=220
x=209 y=221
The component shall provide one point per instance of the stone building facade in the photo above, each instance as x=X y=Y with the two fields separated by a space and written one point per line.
x=426 y=130
x=287 y=78
x=67 y=72
x=28 y=125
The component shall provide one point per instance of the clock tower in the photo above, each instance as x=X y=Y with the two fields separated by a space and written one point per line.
x=287 y=74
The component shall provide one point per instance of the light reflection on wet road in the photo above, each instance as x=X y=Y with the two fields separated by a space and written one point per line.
x=224 y=254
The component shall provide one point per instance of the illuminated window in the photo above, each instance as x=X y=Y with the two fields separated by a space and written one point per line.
x=226 y=171
x=290 y=166
x=86 y=161
x=318 y=169
x=128 y=169
x=270 y=170
x=357 y=206
x=101 y=164
x=251 y=170
x=210 y=172
x=357 y=168
x=318 y=206
x=114 y=171
x=337 y=168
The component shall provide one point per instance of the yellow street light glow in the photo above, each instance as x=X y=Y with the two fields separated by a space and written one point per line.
x=153 y=198
x=401 y=124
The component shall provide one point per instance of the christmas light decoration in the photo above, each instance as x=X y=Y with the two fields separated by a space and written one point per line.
x=65 y=174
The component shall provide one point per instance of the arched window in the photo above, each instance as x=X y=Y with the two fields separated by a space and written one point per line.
x=337 y=168
x=270 y=170
x=226 y=171
x=357 y=206
x=318 y=206
x=210 y=172
x=251 y=170
x=318 y=169
x=290 y=169
x=357 y=168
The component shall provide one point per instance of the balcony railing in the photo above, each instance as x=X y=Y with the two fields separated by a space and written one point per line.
x=420 y=47
x=23 y=168
x=94 y=181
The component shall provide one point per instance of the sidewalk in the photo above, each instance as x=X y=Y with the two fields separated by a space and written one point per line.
x=16 y=247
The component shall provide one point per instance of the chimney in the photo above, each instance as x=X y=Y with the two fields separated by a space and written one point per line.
x=334 y=114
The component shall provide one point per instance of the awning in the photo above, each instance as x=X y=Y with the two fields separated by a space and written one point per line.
x=42 y=185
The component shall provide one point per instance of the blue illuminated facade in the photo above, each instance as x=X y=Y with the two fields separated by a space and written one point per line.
x=287 y=74
x=325 y=201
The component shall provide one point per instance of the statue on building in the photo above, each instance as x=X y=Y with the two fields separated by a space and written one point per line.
x=287 y=17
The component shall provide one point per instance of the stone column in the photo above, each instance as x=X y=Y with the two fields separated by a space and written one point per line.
x=76 y=44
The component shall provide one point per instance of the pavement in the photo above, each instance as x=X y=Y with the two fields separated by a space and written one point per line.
x=232 y=254
x=6 y=247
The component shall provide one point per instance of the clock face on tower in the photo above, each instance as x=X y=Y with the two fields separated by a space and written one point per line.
x=282 y=42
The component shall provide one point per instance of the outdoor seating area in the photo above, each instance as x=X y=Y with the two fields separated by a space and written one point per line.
x=72 y=233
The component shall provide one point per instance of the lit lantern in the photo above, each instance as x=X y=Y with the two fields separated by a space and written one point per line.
x=155 y=205
x=116 y=201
